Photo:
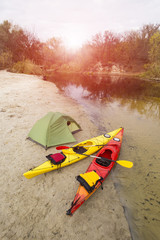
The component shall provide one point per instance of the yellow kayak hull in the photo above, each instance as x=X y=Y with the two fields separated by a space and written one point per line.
x=92 y=145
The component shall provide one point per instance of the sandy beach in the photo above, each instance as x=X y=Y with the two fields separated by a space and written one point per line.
x=36 y=208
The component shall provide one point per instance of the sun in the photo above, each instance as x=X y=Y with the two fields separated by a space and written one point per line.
x=74 y=43
x=74 y=40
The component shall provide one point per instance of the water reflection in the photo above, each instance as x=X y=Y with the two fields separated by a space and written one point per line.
x=130 y=92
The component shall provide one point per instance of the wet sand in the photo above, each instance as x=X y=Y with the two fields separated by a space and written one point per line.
x=35 y=208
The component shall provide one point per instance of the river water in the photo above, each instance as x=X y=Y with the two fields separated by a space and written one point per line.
x=112 y=102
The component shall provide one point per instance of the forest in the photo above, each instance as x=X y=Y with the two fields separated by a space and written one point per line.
x=130 y=52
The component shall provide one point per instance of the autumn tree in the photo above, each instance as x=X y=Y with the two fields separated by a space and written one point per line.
x=19 y=44
x=153 y=68
x=154 y=53
x=54 y=51
x=4 y=35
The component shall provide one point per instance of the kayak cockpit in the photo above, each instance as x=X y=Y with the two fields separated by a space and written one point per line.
x=104 y=158
x=83 y=148
x=79 y=150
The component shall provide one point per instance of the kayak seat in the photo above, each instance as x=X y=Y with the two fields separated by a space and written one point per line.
x=56 y=158
x=103 y=162
x=105 y=155
x=79 y=149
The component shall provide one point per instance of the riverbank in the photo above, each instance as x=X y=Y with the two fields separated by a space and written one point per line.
x=35 y=208
x=137 y=75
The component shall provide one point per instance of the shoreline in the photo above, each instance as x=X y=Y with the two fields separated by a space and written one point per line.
x=120 y=74
x=36 y=208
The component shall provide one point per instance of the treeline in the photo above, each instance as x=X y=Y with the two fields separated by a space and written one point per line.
x=133 y=51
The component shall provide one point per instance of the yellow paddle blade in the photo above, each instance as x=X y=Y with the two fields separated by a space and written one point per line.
x=125 y=163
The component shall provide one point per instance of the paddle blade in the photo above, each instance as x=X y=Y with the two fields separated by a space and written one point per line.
x=125 y=163
x=62 y=147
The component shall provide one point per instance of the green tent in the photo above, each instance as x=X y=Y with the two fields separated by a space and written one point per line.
x=54 y=129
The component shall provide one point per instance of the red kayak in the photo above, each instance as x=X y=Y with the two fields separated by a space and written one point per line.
x=97 y=172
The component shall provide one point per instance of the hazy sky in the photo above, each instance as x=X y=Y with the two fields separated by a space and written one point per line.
x=78 y=20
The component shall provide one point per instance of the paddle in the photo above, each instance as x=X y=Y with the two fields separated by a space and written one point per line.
x=123 y=163
x=66 y=147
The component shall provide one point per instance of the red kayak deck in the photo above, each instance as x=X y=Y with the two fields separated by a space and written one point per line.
x=101 y=167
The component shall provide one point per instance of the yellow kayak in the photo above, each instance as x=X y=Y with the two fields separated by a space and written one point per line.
x=73 y=154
